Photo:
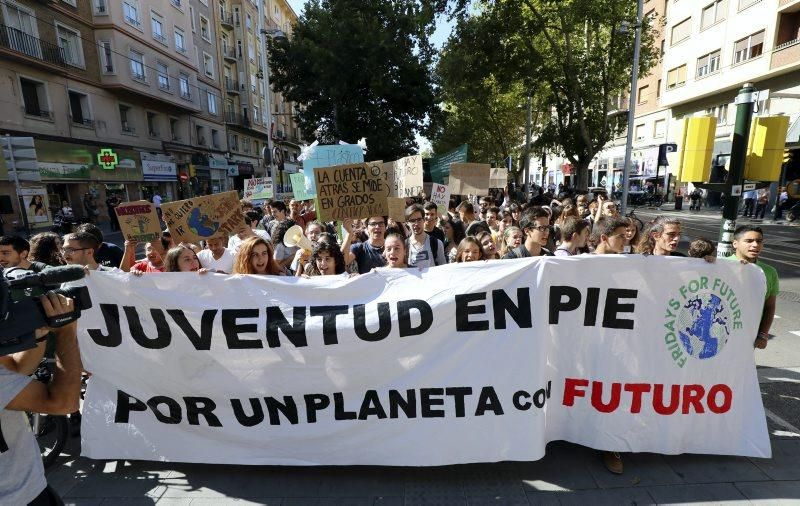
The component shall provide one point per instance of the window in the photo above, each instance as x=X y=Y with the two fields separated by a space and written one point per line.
x=720 y=112
x=152 y=124
x=713 y=13
x=173 y=129
x=251 y=52
x=20 y=22
x=208 y=64
x=233 y=142
x=180 y=41
x=744 y=4
x=215 y=138
x=34 y=97
x=205 y=28
x=163 y=76
x=131 y=10
x=107 y=57
x=70 y=41
x=659 y=128
x=681 y=31
x=256 y=119
x=183 y=80
x=157 y=26
x=79 y=108
x=125 y=119
x=199 y=132
x=246 y=144
x=708 y=64
x=253 y=83
x=69 y=2
x=676 y=77
x=658 y=90
x=100 y=7
x=249 y=22
x=642 y=95
x=748 y=47
x=177 y=3
x=212 y=103
x=137 y=65
x=239 y=49
x=191 y=19
x=639 y=132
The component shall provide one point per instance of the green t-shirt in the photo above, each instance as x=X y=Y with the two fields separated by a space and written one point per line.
x=769 y=272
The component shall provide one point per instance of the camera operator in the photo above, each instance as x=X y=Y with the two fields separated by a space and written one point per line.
x=22 y=480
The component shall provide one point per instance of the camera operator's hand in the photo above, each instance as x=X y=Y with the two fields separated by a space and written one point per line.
x=54 y=304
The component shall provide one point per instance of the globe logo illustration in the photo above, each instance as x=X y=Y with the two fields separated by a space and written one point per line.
x=702 y=325
x=201 y=224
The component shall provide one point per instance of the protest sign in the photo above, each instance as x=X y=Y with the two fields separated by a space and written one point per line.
x=469 y=178
x=258 y=188
x=614 y=352
x=328 y=156
x=299 y=186
x=199 y=218
x=440 y=164
x=397 y=208
x=351 y=191
x=138 y=221
x=440 y=195
x=405 y=176
x=498 y=177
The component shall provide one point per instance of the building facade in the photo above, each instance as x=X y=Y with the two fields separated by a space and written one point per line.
x=171 y=88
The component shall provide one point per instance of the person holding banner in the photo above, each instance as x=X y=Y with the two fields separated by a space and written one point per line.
x=423 y=250
x=255 y=256
x=154 y=256
x=469 y=250
x=535 y=225
x=394 y=252
x=183 y=259
x=608 y=236
x=327 y=259
x=370 y=253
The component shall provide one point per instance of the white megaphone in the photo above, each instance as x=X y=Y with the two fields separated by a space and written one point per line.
x=294 y=237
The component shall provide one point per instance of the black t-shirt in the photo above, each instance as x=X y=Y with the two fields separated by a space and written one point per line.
x=437 y=233
x=108 y=255
x=676 y=254
x=522 y=252
x=367 y=256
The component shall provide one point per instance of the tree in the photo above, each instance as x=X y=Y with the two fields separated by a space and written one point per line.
x=360 y=68
x=569 y=55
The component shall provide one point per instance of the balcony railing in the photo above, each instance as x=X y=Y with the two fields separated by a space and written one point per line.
x=231 y=86
x=160 y=38
x=163 y=84
x=86 y=122
x=133 y=21
x=237 y=119
x=186 y=95
x=785 y=54
x=38 y=112
x=21 y=42
x=229 y=53
x=128 y=129
x=226 y=20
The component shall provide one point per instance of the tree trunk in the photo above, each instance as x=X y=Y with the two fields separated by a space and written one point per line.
x=581 y=176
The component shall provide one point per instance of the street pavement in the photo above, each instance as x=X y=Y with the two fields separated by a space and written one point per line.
x=569 y=474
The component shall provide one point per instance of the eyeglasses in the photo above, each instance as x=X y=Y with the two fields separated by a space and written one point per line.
x=69 y=251
x=540 y=228
x=377 y=224
x=416 y=220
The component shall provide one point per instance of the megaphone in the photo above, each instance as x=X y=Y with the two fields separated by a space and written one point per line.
x=294 y=237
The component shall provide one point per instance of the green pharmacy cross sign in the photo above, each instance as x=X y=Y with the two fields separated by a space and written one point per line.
x=107 y=159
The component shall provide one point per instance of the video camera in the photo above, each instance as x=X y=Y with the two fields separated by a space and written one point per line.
x=21 y=312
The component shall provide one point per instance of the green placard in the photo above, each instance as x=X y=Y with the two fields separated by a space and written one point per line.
x=299 y=186
x=440 y=165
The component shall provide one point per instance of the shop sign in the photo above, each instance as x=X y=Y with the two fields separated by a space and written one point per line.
x=107 y=159
x=233 y=170
x=157 y=170
x=216 y=163
x=56 y=170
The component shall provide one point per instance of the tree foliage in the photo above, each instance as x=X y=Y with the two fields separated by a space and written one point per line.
x=360 y=68
x=568 y=54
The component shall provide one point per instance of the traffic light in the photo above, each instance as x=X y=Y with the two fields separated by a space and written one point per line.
x=765 y=150
x=695 y=148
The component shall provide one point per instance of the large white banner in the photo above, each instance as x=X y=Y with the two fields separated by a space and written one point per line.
x=474 y=362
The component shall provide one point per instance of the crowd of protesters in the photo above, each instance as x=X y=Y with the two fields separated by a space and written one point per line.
x=497 y=227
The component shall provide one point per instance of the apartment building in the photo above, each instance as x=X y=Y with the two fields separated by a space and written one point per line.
x=715 y=47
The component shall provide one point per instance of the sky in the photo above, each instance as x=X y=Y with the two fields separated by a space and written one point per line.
x=443 y=29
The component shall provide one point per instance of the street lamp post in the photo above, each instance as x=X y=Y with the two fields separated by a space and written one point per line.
x=632 y=106
x=527 y=162
x=264 y=62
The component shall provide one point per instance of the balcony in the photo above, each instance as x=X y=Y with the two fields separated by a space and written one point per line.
x=229 y=53
x=226 y=20
x=83 y=122
x=37 y=112
x=19 y=42
x=241 y=120
x=231 y=86
x=785 y=54
x=126 y=128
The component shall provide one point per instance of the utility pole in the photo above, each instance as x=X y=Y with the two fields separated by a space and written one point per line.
x=632 y=104
x=266 y=106
x=741 y=133
x=527 y=162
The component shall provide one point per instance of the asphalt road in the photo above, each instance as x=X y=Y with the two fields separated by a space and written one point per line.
x=779 y=364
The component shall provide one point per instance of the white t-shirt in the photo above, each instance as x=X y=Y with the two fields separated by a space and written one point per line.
x=423 y=257
x=157 y=200
x=224 y=263
x=234 y=242
x=22 y=478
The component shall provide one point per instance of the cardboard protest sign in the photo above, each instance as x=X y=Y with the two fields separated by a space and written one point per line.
x=498 y=177
x=258 y=188
x=405 y=176
x=469 y=178
x=440 y=195
x=138 y=221
x=299 y=187
x=351 y=191
x=200 y=218
x=328 y=156
x=397 y=208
